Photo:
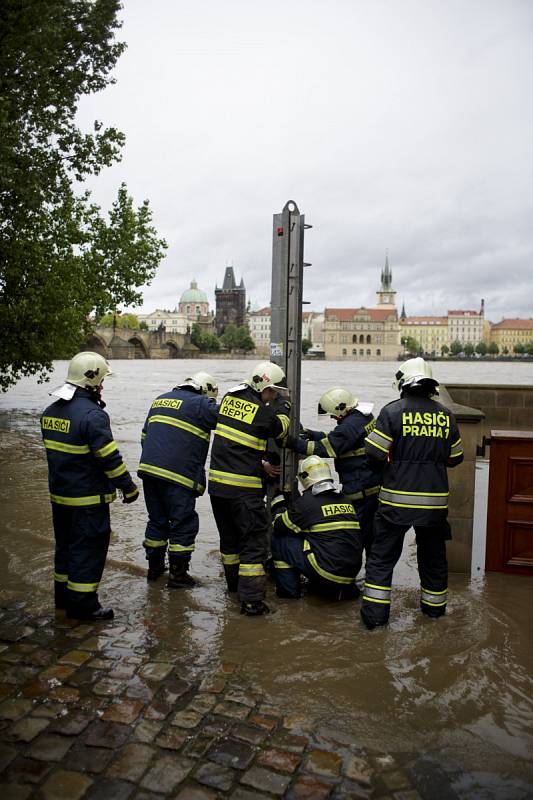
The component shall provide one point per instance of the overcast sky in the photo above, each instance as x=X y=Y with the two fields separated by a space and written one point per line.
x=399 y=125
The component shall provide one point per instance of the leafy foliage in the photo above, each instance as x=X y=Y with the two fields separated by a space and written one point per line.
x=481 y=348
x=206 y=342
x=60 y=261
x=306 y=345
x=468 y=349
x=456 y=348
x=237 y=337
x=120 y=321
x=411 y=345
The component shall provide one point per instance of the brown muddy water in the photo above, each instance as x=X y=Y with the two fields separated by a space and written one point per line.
x=453 y=697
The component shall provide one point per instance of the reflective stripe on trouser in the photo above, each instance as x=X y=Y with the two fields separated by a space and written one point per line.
x=172 y=516
x=81 y=543
x=243 y=529
x=386 y=550
x=291 y=560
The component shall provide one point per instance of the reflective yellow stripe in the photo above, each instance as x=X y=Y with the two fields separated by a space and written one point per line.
x=179 y=423
x=323 y=527
x=233 y=479
x=155 y=542
x=230 y=558
x=285 y=422
x=365 y=493
x=375 y=600
x=171 y=476
x=180 y=548
x=106 y=449
x=325 y=574
x=401 y=499
x=251 y=570
x=74 y=449
x=92 y=500
x=240 y=437
x=330 y=450
x=114 y=473
x=282 y=565
x=359 y=452
x=380 y=433
x=143 y=437
x=377 y=446
x=289 y=524
x=131 y=494
x=82 y=587
x=310 y=448
x=60 y=578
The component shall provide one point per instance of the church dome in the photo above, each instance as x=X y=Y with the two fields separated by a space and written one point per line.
x=193 y=295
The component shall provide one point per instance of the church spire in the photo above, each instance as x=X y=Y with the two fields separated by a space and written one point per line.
x=386 y=294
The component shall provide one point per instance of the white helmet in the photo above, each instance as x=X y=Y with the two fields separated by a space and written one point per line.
x=336 y=402
x=314 y=469
x=415 y=372
x=87 y=370
x=267 y=375
x=203 y=382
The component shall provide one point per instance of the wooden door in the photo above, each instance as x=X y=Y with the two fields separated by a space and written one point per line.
x=510 y=503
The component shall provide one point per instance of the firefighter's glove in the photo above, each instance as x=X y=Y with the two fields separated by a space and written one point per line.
x=131 y=495
x=291 y=442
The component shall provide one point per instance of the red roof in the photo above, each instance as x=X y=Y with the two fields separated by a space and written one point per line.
x=350 y=314
x=463 y=313
x=263 y=312
x=519 y=324
x=422 y=320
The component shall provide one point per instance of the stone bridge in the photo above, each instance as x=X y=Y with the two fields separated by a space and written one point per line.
x=135 y=343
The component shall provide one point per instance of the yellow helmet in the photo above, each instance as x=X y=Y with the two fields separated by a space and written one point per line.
x=336 y=402
x=203 y=382
x=313 y=469
x=87 y=370
x=415 y=372
x=267 y=375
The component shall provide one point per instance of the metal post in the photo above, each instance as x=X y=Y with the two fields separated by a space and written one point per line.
x=286 y=321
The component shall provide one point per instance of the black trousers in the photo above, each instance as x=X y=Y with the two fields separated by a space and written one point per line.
x=172 y=518
x=386 y=551
x=366 y=509
x=81 y=543
x=243 y=528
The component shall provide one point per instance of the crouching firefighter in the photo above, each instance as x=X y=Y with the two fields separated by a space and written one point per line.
x=248 y=417
x=318 y=536
x=85 y=469
x=359 y=475
x=417 y=439
x=175 y=441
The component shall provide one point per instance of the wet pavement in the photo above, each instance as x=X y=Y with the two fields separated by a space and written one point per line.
x=103 y=711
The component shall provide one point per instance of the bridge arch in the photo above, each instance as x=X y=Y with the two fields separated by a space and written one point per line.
x=140 y=347
x=173 y=349
x=96 y=344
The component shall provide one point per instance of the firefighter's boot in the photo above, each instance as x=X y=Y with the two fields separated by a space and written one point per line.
x=231 y=572
x=178 y=576
x=254 y=609
x=156 y=565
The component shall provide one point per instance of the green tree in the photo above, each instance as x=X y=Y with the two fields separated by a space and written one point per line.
x=481 y=348
x=469 y=349
x=120 y=320
x=196 y=335
x=493 y=349
x=456 y=348
x=237 y=338
x=411 y=345
x=519 y=349
x=306 y=346
x=444 y=349
x=60 y=261
x=210 y=343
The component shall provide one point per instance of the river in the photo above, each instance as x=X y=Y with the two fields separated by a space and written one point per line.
x=452 y=698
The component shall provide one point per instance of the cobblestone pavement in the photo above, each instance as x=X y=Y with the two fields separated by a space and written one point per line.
x=85 y=712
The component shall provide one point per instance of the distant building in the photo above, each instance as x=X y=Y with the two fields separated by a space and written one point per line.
x=510 y=332
x=194 y=303
x=170 y=321
x=431 y=333
x=230 y=302
x=466 y=327
x=386 y=296
x=259 y=326
x=361 y=334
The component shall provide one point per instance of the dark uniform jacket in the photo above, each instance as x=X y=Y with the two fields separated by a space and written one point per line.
x=176 y=437
x=84 y=463
x=418 y=438
x=328 y=527
x=245 y=423
x=346 y=444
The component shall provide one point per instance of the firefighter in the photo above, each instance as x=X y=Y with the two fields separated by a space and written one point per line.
x=417 y=439
x=175 y=441
x=317 y=536
x=359 y=475
x=85 y=469
x=236 y=479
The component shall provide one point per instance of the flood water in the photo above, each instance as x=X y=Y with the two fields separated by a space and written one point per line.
x=452 y=698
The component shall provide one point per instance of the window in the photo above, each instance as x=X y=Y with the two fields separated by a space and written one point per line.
x=361 y=339
x=378 y=352
x=369 y=352
x=368 y=339
x=344 y=351
x=361 y=352
x=354 y=351
x=354 y=339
